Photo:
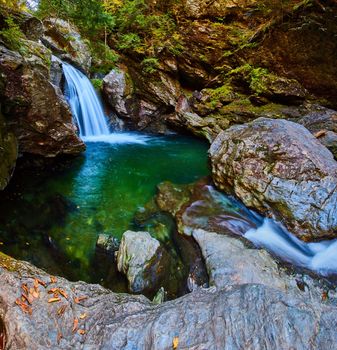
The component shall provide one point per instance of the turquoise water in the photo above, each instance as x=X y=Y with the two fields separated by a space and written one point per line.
x=53 y=219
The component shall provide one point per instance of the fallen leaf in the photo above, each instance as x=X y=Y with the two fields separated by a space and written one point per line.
x=25 y=288
x=81 y=331
x=63 y=293
x=61 y=310
x=320 y=133
x=28 y=298
x=75 y=325
x=175 y=343
x=53 y=279
x=83 y=316
x=52 y=291
x=24 y=307
x=324 y=296
x=36 y=294
x=54 y=300
x=59 y=337
x=41 y=282
x=77 y=300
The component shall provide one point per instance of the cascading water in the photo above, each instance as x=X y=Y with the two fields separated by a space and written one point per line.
x=88 y=111
x=84 y=103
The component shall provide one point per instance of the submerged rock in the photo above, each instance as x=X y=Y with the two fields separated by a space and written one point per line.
x=107 y=243
x=279 y=168
x=142 y=259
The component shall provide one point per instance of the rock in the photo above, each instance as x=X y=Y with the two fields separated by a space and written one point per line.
x=141 y=258
x=259 y=316
x=107 y=243
x=201 y=206
x=229 y=262
x=35 y=109
x=322 y=122
x=8 y=153
x=118 y=90
x=56 y=72
x=279 y=168
x=65 y=42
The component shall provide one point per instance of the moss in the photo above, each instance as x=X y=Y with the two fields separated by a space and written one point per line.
x=97 y=83
x=8 y=263
x=150 y=65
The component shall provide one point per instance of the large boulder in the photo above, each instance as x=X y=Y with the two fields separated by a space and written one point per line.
x=141 y=258
x=279 y=168
x=36 y=110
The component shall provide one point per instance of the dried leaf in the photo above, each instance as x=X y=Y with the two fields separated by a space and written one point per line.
x=75 y=325
x=28 y=298
x=52 y=291
x=25 y=288
x=54 y=300
x=24 y=307
x=324 y=296
x=81 y=331
x=175 y=343
x=36 y=294
x=63 y=293
x=320 y=133
x=41 y=282
x=83 y=316
x=61 y=310
x=53 y=279
x=77 y=300
x=59 y=337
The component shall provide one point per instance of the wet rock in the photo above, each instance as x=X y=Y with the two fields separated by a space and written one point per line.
x=107 y=243
x=65 y=42
x=257 y=315
x=56 y=72
x=35 y=109
x=201 y=206
x=279 y=168
x=141 y=258
x=229 y=262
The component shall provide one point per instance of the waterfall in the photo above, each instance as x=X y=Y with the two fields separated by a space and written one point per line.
x=85 y=105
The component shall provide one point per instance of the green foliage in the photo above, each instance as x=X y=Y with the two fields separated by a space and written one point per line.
x=150 y=65
x=97 y=83
x=255 y=77
x=12 y=35
x=103 y=58
x=130 y=41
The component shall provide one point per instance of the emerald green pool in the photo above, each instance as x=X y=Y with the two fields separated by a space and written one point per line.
x=53 y=219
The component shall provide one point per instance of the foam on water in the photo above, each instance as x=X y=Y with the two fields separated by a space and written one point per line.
x=119 y=138
x=320 y=257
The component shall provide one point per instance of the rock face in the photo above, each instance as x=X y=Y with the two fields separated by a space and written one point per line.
x=35 y=109
x=279 y=168
x=8 y=153
x=259 y=316
x=140 y=257
x=65 y=41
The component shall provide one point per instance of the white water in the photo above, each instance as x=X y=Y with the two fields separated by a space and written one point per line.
x=88 y=111
x=320 y=257
x=84 y=103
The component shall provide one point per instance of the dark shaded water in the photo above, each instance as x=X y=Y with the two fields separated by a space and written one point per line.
x=53 y=220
